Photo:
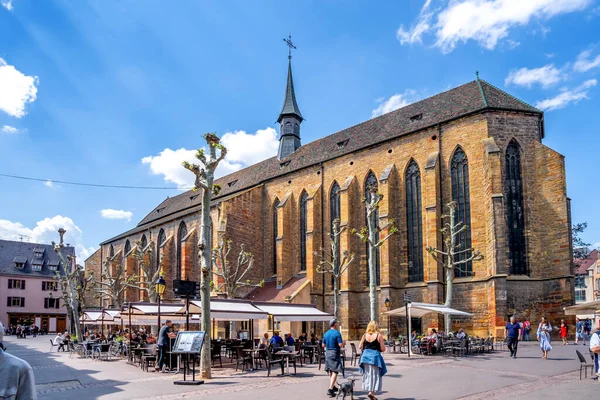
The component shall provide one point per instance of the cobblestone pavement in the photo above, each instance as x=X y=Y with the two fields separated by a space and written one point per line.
x=487 y=376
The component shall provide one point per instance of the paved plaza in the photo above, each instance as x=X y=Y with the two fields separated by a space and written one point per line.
x=489 y=376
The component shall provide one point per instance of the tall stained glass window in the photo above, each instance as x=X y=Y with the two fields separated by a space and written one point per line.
x=459 y=169
x=372 y=182
x=414 y=220
x=514 y=210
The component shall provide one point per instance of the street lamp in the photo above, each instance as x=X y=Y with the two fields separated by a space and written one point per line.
x=388 y=305
x=160 y=287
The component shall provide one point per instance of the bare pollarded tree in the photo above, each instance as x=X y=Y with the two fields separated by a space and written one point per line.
x=233 y=276
x=204 y=180
x=71 y=283
x=370 y=235
x=148 y=271
x=452 y=257
x=113 y=283
x=335 y=263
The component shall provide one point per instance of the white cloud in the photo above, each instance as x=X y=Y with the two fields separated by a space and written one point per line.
x=16 y=90
x=49 y=184
x=243 y=149
x=394 y=102
x=546 y=76
x=109 y=213
x=484 y=21
x=10 y=130
x=584 y=63
x=567 y=97
x=7 y=4
x=45 y=231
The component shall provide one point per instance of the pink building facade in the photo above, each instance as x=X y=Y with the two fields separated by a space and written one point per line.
x=29 y=294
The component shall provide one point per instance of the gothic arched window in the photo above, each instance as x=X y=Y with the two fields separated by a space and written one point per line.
x=334 y=213
x=372 y=183
x=303 y=229
x=515 y=211
x=162 y=238
x=111 y=251
x=144 y=242
x=459 y=169
x=127 y=246
x=414 y=226
x=181 y=234
x=275 y=234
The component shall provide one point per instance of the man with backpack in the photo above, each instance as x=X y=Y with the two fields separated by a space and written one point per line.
x=595 y=348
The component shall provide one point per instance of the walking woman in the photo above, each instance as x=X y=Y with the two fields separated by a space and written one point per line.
x=372 y=367
x=543 y=335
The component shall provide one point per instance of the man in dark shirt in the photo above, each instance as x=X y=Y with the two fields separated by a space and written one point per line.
x=163 y=344
x=276 y=340
x=513 y=335
x=333 y=343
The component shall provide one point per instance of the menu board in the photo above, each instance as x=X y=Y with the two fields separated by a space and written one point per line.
x=188 y=342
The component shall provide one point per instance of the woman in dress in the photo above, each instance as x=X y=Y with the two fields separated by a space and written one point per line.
x=563 y=331
x=543 y=335
x=372 y=367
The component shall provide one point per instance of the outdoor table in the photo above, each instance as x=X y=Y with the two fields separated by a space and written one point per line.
x=312 y=350
x=251 y=352
x=287 y=355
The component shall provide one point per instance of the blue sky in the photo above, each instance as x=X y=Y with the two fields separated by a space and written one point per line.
x=120 y=92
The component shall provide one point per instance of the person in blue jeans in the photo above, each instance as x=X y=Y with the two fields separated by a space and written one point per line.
x=513 y=335
x=595 y=348
x=333 y=343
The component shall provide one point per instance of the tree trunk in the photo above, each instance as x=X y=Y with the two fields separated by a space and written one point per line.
x=372 y=227
x=205 y=247
x=448 y=302
x=336 y=297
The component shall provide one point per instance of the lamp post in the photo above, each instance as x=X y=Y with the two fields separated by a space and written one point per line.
x=388 y=305
x=161 y=285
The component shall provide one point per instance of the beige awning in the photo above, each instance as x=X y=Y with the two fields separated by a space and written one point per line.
x=591 y=307
x=421 y=309
x=228 y=309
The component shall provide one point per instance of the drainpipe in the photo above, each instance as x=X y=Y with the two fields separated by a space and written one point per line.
x=322 y=228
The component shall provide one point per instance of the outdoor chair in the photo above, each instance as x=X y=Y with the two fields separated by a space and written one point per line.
x=270 y=361
x=148 y=358
x=103 y=350
x=52 y=345
x=259 y=356
x=583 y=365
x=355 y=354
x=215 y=354
x=460 y=348
x=243 y=359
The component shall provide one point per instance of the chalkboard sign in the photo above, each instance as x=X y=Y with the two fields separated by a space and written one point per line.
x=188 y=342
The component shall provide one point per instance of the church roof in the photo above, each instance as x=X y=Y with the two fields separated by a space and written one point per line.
x=290 y=106
x=469 y=98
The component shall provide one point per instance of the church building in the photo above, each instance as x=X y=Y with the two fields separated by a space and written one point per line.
x=475 y=145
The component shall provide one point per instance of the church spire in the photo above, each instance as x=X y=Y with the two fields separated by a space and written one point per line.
x=290 y=117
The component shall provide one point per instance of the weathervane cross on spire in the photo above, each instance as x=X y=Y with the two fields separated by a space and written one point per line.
x=290 y=45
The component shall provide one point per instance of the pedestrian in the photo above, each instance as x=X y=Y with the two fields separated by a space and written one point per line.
x=513 y=333
x=579 y=331
x=543 y=335
x=333 y=343
x=164 y=336
x=16 y=376
x=372 y=366
x=563 y=331
x=526 y=331
x=595 y=348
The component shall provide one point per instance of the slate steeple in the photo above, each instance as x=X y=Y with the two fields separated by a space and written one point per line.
x=290 y=117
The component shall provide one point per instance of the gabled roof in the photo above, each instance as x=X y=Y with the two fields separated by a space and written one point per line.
x=12 y=252
x=290 y=106
x=464 y=100
x=581 y=266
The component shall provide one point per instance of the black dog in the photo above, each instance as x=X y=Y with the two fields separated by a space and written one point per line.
x=346 y=388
